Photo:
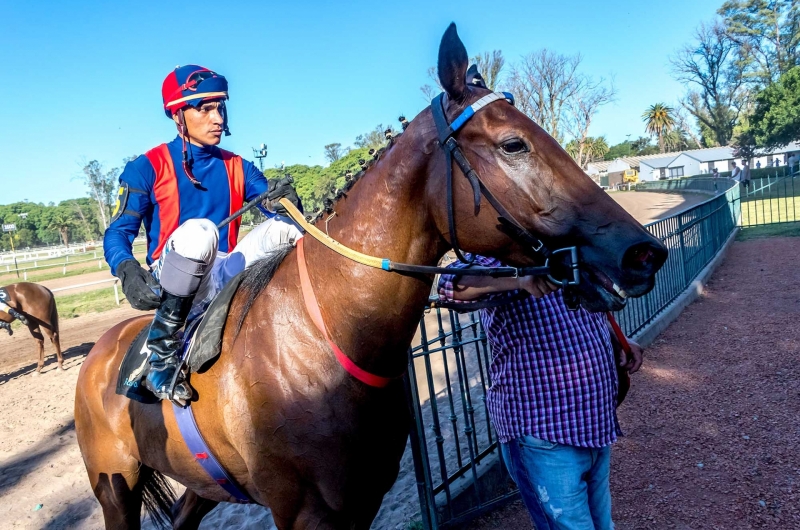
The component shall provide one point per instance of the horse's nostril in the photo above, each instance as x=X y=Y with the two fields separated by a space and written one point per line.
x=643 y=256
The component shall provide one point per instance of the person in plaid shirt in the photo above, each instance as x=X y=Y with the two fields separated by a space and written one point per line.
x=553 y=396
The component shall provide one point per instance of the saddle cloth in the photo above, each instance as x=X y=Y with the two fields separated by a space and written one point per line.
x=202 y=343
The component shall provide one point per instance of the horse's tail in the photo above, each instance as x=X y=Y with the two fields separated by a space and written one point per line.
x=53 y=313
x=158 y=498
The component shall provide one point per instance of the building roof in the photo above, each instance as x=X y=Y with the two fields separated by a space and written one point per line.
x=659 y=160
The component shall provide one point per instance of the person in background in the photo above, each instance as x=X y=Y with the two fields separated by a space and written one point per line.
x=758 y=164
x=553 y=396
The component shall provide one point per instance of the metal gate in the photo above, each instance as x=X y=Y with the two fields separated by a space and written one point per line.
x=455 y=451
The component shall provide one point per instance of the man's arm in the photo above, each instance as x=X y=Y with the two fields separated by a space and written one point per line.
x=133 y=205
x=457 y=288
x=631 y=362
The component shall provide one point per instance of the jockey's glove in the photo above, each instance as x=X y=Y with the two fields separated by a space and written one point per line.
x=280 y=189
x=138 y=284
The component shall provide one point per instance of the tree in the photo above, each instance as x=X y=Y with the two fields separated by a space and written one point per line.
x=490 y=65
x=659 y=122
x=334 y=152
x=62 y=220
x=374 y=139
x=587 y=150
x=581 y=110
x=551 y=90
x=710 y=66
x=102 y=184
x=776 y=119
x=766 y=33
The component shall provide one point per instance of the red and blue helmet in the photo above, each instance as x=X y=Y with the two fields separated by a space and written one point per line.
x=191 y=85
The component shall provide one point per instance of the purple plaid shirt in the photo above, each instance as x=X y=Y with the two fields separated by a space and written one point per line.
x=553 y=371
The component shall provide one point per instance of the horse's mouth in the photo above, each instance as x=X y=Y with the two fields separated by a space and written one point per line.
x=611 y=295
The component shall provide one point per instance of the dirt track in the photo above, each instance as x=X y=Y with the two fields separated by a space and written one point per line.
x=711 y=422
x=694 y=402
x=649 y=206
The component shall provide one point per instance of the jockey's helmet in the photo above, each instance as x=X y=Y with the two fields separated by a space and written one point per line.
x=191 y=85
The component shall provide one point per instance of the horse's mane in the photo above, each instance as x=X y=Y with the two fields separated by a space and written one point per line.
x=256 y=278
x=334 y=194
x=259 y=274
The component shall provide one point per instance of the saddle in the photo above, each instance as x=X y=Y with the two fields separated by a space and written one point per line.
x=202 y=343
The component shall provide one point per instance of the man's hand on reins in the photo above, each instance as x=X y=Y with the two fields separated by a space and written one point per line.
x=537 y=286
x=280 y=189
x=631 y=362
x=137 y=285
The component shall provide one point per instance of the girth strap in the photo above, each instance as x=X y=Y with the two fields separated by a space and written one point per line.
x=201 y=452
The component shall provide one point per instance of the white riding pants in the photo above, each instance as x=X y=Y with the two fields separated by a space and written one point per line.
x=192 y=265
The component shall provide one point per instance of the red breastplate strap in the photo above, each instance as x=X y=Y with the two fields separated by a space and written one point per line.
x=313 y=310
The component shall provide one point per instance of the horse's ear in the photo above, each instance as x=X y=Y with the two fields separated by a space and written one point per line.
x=475 y=78
x=453 y=64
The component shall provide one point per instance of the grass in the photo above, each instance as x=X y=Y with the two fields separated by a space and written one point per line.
x=767 y=211
x=773 y=230
x=97 y=301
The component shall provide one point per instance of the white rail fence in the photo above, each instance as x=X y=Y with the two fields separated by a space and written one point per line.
x=115 y=285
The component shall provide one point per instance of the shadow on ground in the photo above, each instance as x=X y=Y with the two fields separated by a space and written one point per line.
x=70 y=353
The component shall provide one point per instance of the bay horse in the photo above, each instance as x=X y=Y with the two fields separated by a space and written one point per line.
x=38 y=305
x=293 y=429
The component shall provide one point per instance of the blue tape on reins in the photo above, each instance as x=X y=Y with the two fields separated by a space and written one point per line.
x=386 y=264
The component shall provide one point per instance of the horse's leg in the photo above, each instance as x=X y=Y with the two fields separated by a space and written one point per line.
x=119 y=491
x=190 y=510
x=57 y=345
x=36 y=332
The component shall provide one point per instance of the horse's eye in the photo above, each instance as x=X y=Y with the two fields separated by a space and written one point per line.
x=514 y=146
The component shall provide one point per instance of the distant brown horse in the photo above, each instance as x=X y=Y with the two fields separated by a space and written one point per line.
x=38 y=305
x=291 y=426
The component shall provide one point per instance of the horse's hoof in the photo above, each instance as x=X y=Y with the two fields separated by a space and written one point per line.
x=37 y=372
x=61 y=367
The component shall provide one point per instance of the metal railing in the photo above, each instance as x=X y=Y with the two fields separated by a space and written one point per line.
x=452 y=440
x=693 y=237
x=451 y=434
x=771 y=200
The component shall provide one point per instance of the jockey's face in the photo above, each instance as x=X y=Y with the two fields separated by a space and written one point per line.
x=204 y=123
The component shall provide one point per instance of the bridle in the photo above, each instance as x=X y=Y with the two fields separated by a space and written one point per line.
x=508 y=224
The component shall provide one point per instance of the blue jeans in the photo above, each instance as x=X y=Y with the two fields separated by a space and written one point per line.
x=563 y=487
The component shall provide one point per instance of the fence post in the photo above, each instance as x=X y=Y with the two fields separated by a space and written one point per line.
x=683 y=249
x=65 y=269
x=116 y=293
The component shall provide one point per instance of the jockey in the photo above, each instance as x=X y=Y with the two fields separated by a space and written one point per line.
x=180 y=191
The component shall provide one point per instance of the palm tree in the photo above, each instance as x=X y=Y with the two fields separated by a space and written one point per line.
x=659 y=122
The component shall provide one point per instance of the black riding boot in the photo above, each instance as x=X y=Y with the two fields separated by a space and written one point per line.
x=163 y=343
x=6 y=326
x=19 y=316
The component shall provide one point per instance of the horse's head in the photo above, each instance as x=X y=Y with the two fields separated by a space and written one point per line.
x=543 y=189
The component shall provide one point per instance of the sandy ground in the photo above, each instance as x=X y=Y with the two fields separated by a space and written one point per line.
x=649 y=206
x=40 y=463
x=711 y=422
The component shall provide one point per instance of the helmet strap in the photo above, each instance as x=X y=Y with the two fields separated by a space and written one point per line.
x=188 y=159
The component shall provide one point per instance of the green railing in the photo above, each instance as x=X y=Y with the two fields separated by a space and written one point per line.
x=693 y=237
x=771 y=200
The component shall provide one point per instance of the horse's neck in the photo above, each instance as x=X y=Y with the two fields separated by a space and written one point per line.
x=372 y=314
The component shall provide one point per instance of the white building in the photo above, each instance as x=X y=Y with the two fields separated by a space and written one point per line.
x=691 y=162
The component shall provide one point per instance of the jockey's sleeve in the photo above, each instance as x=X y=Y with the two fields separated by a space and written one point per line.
x=255 y=183
x=135 y=206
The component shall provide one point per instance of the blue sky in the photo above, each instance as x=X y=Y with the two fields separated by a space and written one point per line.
x=82 y=81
